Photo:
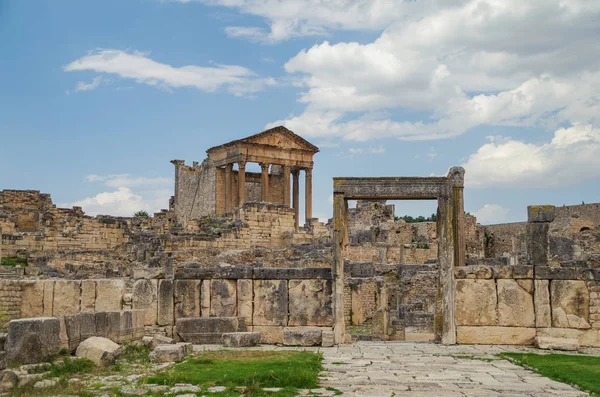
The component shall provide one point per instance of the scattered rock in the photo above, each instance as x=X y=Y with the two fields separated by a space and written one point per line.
x=216 y=389
x=168 y=353
x=241 y=339
x=184 y=387
x=158 y=340
x=272 y=389
x=8 y=379
x=132 y=391
x=46 y=383
x=100 y=350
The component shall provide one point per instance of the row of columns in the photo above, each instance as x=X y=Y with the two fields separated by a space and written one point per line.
x=287 y=171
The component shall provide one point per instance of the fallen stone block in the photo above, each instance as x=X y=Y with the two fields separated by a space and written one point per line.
x=158 y=340
x=241 y=339
x=101 y=351
x=188 y=348
x=168 y=353
x=205 y=330
x=300 y=337
x=31 y=340
x=548 y=343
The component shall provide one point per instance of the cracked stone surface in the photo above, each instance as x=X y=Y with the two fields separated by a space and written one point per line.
x=428 y=370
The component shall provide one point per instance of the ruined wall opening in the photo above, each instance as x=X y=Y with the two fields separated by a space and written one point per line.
x=391 y=270
x=448 y=191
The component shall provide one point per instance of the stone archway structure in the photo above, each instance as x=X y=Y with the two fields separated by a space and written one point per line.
x=448 y=191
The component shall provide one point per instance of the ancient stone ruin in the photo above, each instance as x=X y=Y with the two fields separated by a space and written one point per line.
x=230 y=255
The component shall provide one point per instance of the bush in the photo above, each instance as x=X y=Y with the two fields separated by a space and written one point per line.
x=141 y=214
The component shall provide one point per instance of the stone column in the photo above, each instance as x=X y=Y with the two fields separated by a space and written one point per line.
x=445 y=322
x=264 y=197
x=296 y=197
x=308 y=193
x=340 y=240
x=241 y=183
x=286 y=185
x=457 y=175
x=228 y=178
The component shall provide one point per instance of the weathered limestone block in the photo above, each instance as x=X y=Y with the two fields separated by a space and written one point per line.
x=543 y=316
x=67 y=295
x=537 y=243
x=158 y=340
x=31 y=340
x=570 y=304
x=495 y=335
x=145 y=297
x=548 y=343
x=476 y=302
x=310 y=302
x=168 y=353
x=515 y=303
x=109 y=295
x=32 y=298
x=165 y=302
x=244 y=300
x=540 y=213
x=108 y=325
x=302 y=336
x=203 y=330
x=270 y=302
x=205 y=298
x=88 y=295
x=100 y=350
x=187 y=298
x=269 y=334
x=327 y=339
x=48 y=298
x=585 y=337
x=223 y=298
x=79 y=327
x=241 y=339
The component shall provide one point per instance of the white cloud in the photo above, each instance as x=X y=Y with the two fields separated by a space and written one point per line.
x=129 y=195
x=92 y=85
x=294 y=18
x=491 y=214
x=571 y=157
x=464 y=64
x=370 y=150
x=137 y=66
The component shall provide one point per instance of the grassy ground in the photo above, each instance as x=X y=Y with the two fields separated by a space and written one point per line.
x=253 y=369
x=583 y=371
x=241 y=372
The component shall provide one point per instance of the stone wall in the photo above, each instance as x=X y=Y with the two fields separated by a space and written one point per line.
x=553 y=293
x=195 y=190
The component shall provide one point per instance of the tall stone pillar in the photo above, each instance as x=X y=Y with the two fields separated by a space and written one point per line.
x=308 y=193
x=457 y=175
x=445 y=322
x=296 y=196
x=241 y=183
x=264 y=197
x=340 y=240
x=228 y=192
x=286 y=184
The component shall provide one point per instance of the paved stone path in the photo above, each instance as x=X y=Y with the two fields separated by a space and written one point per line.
x=427 y=370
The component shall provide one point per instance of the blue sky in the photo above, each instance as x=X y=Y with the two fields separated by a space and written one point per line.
x=96 y=97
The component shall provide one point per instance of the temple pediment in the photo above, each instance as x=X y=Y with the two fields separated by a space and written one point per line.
x=277 y=137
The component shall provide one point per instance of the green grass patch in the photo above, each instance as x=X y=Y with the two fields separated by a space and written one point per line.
x=70 y=366
x=13 y=261
x=253 y=369
x=583 y=371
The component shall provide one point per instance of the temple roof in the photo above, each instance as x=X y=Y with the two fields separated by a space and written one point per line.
x=275 y=137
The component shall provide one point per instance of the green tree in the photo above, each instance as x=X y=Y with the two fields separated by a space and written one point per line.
x=141 y=213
